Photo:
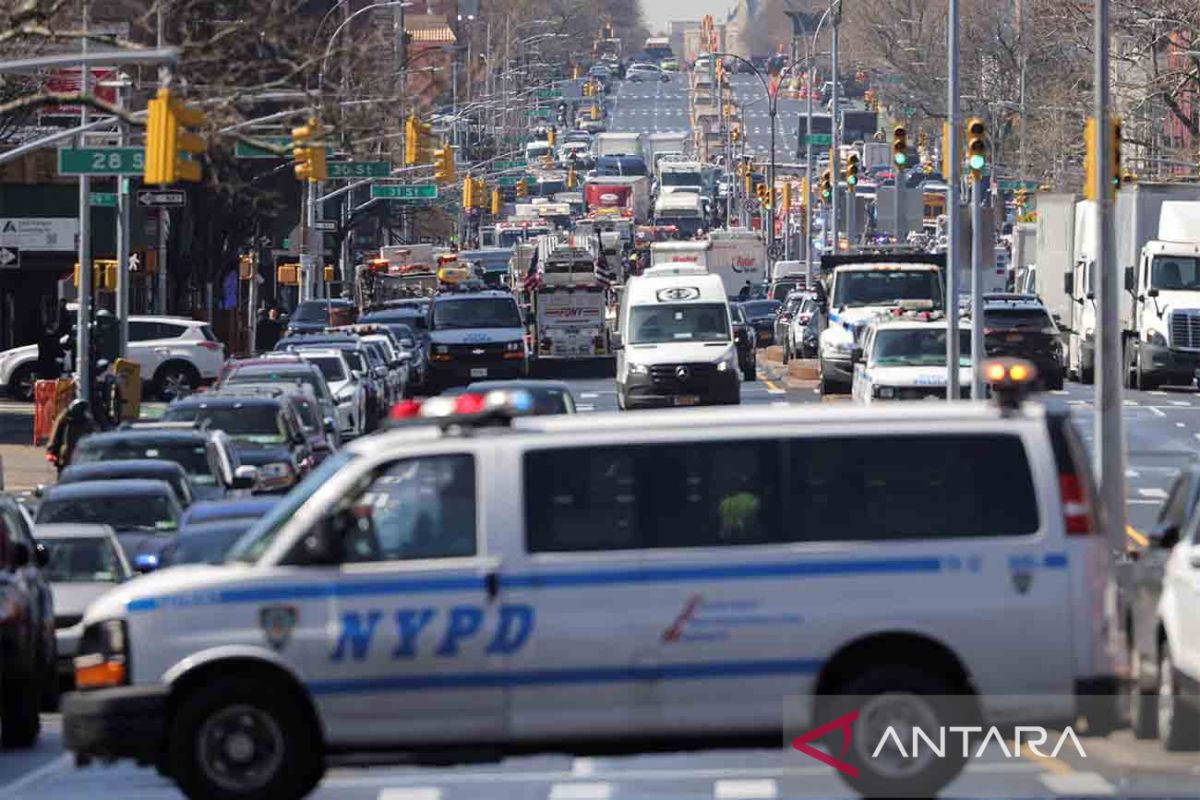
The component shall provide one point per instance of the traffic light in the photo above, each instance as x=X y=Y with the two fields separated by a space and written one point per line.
x=329 y=273
x=172 y=150
x=595 y=111
x=1021 y=199
x=412 y=141
x=749 y=181
x=424 y=142
x=443 y=164
x=1114 y=152
x=522 y=188
x=764 y=195
x=785 y=200
x=572 y=178
x=900 y=146
x=468 y=192
x=245 y=267
x=735 y=134
x=852 y=171
x=497 y=201
x=480 y=193
x=976 y=146
x=551 y=136
x=310 y=157
x=827 y=185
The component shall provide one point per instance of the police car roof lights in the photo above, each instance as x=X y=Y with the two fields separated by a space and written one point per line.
x=1010 y=380
x=496 y=407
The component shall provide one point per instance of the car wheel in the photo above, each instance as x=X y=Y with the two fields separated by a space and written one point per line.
x=787 y=349
x=238 y=738
x=902 y=696
x=20 y=384
x=175 y=380
x=750 y=372
x=1143 y=705
x=1178 y=721
x=19 y=720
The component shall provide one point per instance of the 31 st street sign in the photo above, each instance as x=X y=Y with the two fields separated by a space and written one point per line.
x=404 y=192
x=101 y=161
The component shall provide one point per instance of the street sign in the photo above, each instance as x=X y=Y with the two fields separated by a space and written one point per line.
x=775 y=251
x=543 y=113
x=102 y=200
x=509 y=180
x=406 y=192
x=1010 y=185
x=548 y=94
x=101 y=160
x=325 y=225
x=10 y=257
x=243 y=150
x=161 y=198
x=359 y=169
x=502 y=165
x=817 y=139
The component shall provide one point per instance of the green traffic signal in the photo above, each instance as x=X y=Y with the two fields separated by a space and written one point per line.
x=852 y=180
x=901 y=159
x=976 y=162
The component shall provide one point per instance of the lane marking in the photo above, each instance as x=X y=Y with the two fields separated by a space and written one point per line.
x=413 y=793
x=584 y=766
x=772 y=388
x=745 y=790
x=29 y=778
x=1052 y=765
x=1179 y=425
x=588 y=395
x=1156 y=410
x=589 y=406
x=1059 y=392
x=1078 y=784
x=1136 y=535
x=1156 y=493
x=1183 y=403
x=1132 y=473
x=1132 y=502
x=581 y=791
x=1158 y=393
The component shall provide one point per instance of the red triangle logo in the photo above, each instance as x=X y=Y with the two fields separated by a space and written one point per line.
x=843 y=723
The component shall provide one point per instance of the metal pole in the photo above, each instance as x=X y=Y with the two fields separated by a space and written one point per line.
x=122 y=304
x=304 y=289
x=896 y=200
x=83 y=354
x=977 y=245
x=953 y=180
x=252 y=300
x=1110 y=453
x=344 y=254
x=771 y=178
x=834 y=151
x=808 y=171
x=164 y=228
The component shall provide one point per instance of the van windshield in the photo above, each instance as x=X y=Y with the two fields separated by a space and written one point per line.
x=918 y=347
x=886 y=288
x=691 y=322
x=479 y=313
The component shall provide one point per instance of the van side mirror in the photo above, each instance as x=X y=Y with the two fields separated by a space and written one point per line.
x=856 y=355
x=1130 y=280
x=1152 y=293
x=245 y=477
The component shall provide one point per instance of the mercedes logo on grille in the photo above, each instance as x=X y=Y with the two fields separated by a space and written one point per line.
x=478 y=351
x=683 y=373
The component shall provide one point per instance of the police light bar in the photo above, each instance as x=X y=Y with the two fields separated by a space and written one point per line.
x=497 y=405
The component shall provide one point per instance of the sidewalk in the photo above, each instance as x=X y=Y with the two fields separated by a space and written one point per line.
x=25 y=466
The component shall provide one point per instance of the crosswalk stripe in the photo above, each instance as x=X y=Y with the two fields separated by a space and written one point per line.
x=745 y=790
x=581 y=791
x=1077 y=784
x=411 y=793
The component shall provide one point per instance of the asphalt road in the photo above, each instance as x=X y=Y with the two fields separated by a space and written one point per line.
x=756 y=119
x=650 y=107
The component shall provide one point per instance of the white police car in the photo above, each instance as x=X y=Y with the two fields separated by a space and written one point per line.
x=603 y=580
x=905 y=359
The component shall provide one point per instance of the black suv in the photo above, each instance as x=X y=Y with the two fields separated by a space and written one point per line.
x=28 y=662
x=1019 y=326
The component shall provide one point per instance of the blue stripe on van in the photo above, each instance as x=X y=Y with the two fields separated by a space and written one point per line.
x=544 y=580
x=559 y=677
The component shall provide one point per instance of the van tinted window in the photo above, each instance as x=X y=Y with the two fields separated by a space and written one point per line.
x=707 y=494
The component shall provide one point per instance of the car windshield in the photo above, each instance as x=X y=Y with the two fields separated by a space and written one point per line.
x=81 y=560
x=311 y=311
x=679 y=322
x=256 y=540
x=478 y=313
x=1175 y=273
x=330 y=366
x=674 y=178
x=760 y=309
x=1018 y=319
x=305 y=377
x=191 y=455
x=918 y=347
x=247 y=422
x=885 y=287
x=149 y=513
x=356 y=360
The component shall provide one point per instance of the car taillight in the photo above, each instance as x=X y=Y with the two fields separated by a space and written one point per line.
x=207 y=345
x=805 y=319
x=1077 y=510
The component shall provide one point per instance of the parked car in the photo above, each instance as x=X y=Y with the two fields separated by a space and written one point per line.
x=27 y=646
x=358 y=363
x=265 y=429
x=144 y=513
x=83 y=562
x=209 y=529
x=323 y=438
x=176 y=355
x=207 y=456
x=407 y=323
x=155 y=468
x=802 y=335
x=746 y=339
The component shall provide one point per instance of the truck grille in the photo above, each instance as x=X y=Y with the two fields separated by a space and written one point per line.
x=698 y=376
x=1185 y=329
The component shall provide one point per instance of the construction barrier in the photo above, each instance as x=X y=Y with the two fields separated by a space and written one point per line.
x=50 y=398
x=129 y=384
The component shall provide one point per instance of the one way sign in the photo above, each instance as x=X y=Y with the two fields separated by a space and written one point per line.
x=161 y=198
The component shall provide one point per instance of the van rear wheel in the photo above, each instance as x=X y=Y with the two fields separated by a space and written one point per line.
x=1178 y=720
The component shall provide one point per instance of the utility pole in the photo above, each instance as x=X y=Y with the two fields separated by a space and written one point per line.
x=83 y=320
x=953 y=180
x=1110 y=452
x=833 y=125
x=808 y=171
x=977 y=244
x=164 y=216
x=122 y=304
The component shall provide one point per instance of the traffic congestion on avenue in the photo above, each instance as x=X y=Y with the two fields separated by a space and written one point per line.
x=610 y=400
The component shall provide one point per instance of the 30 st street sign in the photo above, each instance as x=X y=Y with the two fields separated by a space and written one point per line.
x=405 y=192
x=101 y=161
x=359 y=169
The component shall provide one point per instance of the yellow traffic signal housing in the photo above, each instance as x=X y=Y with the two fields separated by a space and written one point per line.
x=310 y=156
x=480 y=193
x=976 y=145
x=329 y=273
x=412 y=141
x=443 y=164
x=172 y=150
x=827 y=185
x=468 y=192
x=595 y=112
x=497 y=202
x=764 y=195
x=900 y=146
x=786 y=198
x=245 y=267
x=287 y=274
x=551 y=136
x=522 y=188
x=852 y=171
x=424 y=143
x=572 y=178
x=104 y=274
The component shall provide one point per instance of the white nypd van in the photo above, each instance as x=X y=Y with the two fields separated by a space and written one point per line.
x=905 y=359
x=603 y=580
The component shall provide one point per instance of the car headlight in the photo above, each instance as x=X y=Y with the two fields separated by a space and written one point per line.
x=1155 y=338
x=345 y=396
x=514 y=347
x=639 y=369
x=101 y=656
x=885 y=392
x=279 y=469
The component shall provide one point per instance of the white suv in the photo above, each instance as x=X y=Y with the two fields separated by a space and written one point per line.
x=660 y=575
x=176 y=355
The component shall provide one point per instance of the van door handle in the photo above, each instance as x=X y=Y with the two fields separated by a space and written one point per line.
x=491 y=583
